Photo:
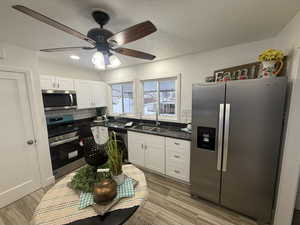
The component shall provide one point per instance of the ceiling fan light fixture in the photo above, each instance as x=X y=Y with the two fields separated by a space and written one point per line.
x=98 y=61
x=114 y=61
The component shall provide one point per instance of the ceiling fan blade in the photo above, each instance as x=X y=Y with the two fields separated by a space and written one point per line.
x=134 y=53
x=133 y=33
x=66 y=49
x=53 y=23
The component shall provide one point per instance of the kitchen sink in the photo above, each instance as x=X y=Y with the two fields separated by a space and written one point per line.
x=150 y=128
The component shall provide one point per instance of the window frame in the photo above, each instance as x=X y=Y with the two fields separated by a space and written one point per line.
x=133 y=99
x=174 y=118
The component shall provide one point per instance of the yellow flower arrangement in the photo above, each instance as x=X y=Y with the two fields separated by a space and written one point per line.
x=271 y=55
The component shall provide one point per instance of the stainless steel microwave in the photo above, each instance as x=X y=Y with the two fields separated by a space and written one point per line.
x=55 y=99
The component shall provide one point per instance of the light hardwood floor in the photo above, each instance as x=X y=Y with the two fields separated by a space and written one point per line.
x=169 y=203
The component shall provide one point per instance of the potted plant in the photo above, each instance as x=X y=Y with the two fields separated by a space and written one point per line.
x=272 y=63
x=115 y=159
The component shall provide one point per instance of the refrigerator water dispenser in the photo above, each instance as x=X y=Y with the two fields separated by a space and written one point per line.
x=206 y=138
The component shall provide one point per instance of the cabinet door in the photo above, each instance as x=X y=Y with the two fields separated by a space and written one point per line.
x=65 y=84
x=136 y=148
x=84 y=94
x=47 y=82
x=155 y=153
x=99 y=94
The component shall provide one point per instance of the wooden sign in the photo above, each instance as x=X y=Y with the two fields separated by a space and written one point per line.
x=242 y=72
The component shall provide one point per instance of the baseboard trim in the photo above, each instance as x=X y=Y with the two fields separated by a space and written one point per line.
x=49 y=181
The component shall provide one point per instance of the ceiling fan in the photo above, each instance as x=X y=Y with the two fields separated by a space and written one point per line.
x=101 y=39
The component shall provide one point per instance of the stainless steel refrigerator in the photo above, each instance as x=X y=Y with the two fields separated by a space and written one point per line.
x=236 y=140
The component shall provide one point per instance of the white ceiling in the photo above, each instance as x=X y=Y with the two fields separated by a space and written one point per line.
x=184 y=26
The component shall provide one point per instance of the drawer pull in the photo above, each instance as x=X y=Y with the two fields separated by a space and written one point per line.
x=176 y=171
x=176 y=143
x=177 y=156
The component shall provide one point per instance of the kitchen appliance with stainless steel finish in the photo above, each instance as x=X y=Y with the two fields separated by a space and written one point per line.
x=56 y=99
x=236 y=140
x=65 y=150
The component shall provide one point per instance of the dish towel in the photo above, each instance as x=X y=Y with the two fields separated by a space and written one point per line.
x=125 y=190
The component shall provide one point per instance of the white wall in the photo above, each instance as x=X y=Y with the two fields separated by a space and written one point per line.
x=289 y=40
x=193 y=68
x=24 y=59
x=48 y=67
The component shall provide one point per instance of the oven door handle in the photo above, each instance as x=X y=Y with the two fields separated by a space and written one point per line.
x=63 y=141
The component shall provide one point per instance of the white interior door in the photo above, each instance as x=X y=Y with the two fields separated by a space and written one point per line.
x=19 y=168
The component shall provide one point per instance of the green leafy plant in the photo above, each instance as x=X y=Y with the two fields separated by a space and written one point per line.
x=86 y=177
x=115 y=155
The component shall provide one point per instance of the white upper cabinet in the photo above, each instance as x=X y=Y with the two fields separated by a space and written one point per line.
x=84 y=94
x=56 y=83
x=99 y=93
x=90 y=94
x=47 y=82
x=65 y=84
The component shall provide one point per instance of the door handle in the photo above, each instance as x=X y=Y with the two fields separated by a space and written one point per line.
x=30 y=142
x=220 y=136
x=226 y=137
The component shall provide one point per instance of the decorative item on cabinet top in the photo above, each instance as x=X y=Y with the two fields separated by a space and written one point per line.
x=272 y=63
x=242 y=72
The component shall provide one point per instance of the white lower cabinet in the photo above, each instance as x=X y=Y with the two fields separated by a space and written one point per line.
x=178 y=158
x=147 y=150
x=168 y=156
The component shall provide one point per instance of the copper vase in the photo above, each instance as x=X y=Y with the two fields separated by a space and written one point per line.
x=105 y=191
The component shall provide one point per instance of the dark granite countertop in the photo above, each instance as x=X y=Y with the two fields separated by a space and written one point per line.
x=166 y=131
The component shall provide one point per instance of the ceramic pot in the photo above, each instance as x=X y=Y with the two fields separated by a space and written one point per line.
x=105 y=191
x=119 y=179
x=271 y=68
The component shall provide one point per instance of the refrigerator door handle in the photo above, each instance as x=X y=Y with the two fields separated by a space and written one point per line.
x=226 y=137
x=220 y=136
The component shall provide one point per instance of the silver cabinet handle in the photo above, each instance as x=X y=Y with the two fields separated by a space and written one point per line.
x=226 y=137
x=145 y=147
x=176 y=171
x=57 y=84
x=142 y=145
x=176 y=143
x=220 y=136
x=177 y=156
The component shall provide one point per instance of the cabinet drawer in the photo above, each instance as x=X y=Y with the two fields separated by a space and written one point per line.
x=177 y=144
x=177 y=169
x=177 y=148
x=176 y=154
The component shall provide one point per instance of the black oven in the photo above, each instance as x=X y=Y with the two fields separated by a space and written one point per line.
x=65 y=150
x=54 y=99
